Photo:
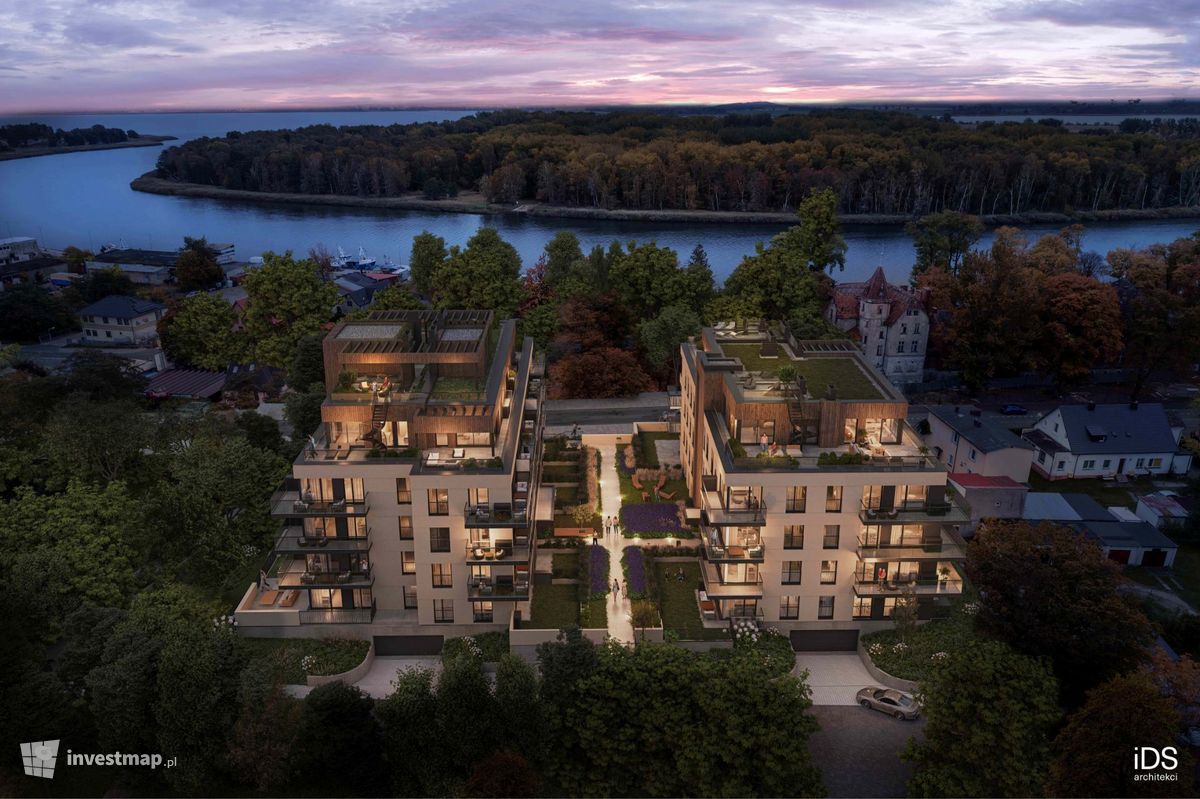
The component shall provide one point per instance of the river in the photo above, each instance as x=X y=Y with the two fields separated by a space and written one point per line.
x=84 y=199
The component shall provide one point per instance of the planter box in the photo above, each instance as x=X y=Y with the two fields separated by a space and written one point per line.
x=349 y=677
x=881 y=676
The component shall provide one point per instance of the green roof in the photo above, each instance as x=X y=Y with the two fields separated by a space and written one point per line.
x=843 y=370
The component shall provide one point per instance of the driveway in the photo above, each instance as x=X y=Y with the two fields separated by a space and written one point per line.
x=377 y=682
x=858 y=751
x=834 y=677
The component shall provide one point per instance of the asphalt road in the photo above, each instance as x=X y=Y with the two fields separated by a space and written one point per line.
x=644 y=408
x=858 y=751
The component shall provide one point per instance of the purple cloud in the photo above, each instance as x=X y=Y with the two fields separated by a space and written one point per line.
x=87 y=55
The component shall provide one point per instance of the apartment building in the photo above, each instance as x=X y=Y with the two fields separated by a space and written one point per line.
x=412 y=511
x=819 y=506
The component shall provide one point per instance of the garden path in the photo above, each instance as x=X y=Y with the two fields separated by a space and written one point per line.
x=620 y=624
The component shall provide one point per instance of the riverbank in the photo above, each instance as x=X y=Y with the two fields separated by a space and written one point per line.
x=36 y=152
x=474 y=203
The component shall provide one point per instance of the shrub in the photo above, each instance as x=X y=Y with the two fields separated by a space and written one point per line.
x=736 y=449
x=594 y=573
x=489 y=647
x=651 y=520
x=633 y=562
x=771 y=646
x=842 y=459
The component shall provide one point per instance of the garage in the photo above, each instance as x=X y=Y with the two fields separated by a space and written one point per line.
x=824 y=640
x=1155 y=557
x=407 y=645
x=1119 y=555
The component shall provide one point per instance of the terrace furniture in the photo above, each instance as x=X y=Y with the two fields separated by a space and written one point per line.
x=645 y=497
x=522 y=487
x=636 y=483
x=344 y=577
x=483 y=513
x=662 y=480
x=289 y=598
x=268 y=597
x=458 y=452
x=338 y=504
x=343 y=454
x=666 y=495
x=433 y=458
x=737 y=552
x=299 y=506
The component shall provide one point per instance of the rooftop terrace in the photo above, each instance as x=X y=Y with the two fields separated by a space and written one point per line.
x=820 y=363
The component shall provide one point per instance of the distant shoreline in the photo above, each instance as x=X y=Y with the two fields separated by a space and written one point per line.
x=473 y=203
x=37 y=152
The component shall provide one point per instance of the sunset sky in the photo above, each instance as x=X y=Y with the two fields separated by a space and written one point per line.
x=68 y=55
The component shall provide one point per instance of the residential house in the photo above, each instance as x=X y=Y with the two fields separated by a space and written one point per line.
x=1099 y=440
x=966 y=442
x=119 y=319
x=39 y=270
x=818 y=507
x=18 y=248
x=1133 y=543
x=411 y=513
x=888 y=322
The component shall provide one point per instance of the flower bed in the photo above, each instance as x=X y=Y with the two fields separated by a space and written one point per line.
x=772 y=646
x=301 y=657
x=633 y=563
x=651 y=520
x=927 y=646
x=594 y=573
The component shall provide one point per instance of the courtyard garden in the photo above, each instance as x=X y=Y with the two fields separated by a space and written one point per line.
x=676 y=584
x=911 y=656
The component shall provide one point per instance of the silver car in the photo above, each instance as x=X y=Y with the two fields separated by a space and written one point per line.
x=888 y=700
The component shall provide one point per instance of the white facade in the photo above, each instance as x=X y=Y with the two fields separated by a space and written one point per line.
x=888 y=322
x=974 y=454
x=17 y=248
x=1114 y=451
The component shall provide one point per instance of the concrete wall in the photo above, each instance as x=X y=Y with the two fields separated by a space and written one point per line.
x=349 y=677
x=881 y=676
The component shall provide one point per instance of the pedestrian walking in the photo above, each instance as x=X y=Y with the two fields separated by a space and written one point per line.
x=616 y=588
x=595 y=538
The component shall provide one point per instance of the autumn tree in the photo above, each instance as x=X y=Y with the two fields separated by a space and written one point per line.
x=196 y=268
x=599 y=373
x=989 y=715
x=1160 y=296
x=286 y=301
x=1094 y=750
x=943 y=239
x=1080 y=327
x=1050 y=593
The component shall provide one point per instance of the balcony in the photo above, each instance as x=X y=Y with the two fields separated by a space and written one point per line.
x=717 y=551
x=948 y=546
x=295 y=540
x=492 y=588
x=293 y=504
x=497 y=551
x=293 y=572
x=338 y=615
x=949 y=587
x=498 y=514
x=743 y=510
x=719 y=590
x=951 y=511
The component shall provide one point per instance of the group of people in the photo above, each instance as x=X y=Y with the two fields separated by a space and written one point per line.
x=612 y=526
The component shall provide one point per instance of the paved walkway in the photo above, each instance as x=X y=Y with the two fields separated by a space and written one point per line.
x=835 y=677
x=620 y=625
x=377 y=682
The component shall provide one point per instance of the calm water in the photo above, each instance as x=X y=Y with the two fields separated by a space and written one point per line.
x=84 y=199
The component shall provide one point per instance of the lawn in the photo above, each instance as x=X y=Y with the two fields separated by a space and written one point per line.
x=912 y=659
x=554 y=607
x=457 y=388
x=633 y=496
x=677 y=602
x=565 y=565
x=850 y=381
x=332 y=656
x=1106 y=492
x=645 y=452
x=561 y=474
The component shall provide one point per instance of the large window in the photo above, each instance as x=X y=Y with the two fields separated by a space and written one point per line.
x=442 y=578
x=833 y=535
x=477 y=496
x=483 y=439
x=789 y=607
x=443 y=611
x=439 y=501
x=408 y=562
x=791 y=572
x=793 y=536
x=833 y=499
x=825 y=607
x=403 y=492
x=410 y=597
x=482 y=611
x=406 y=528
x=862 y=607
x=439 y=539
x=796 y=499
x=828 y=572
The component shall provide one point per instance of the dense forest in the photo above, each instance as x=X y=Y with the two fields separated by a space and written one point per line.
x=35 y=134
x=877 y=162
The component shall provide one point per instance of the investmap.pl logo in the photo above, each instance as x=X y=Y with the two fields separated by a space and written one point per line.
x=41 y=757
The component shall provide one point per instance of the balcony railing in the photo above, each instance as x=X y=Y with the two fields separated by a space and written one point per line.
x=751 y=512
x=295 y=539
x=948 y=587
x=516 y=549
x=350 y=578
x=945 y=547
x=949 y=511
x=498 y=514
x=716 y=550
x=717 y=589
x=483 y=588
x=293 y=503
x=338 y=615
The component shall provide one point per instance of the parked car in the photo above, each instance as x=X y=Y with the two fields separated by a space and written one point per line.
x=888 y=700
x=1013 y=409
